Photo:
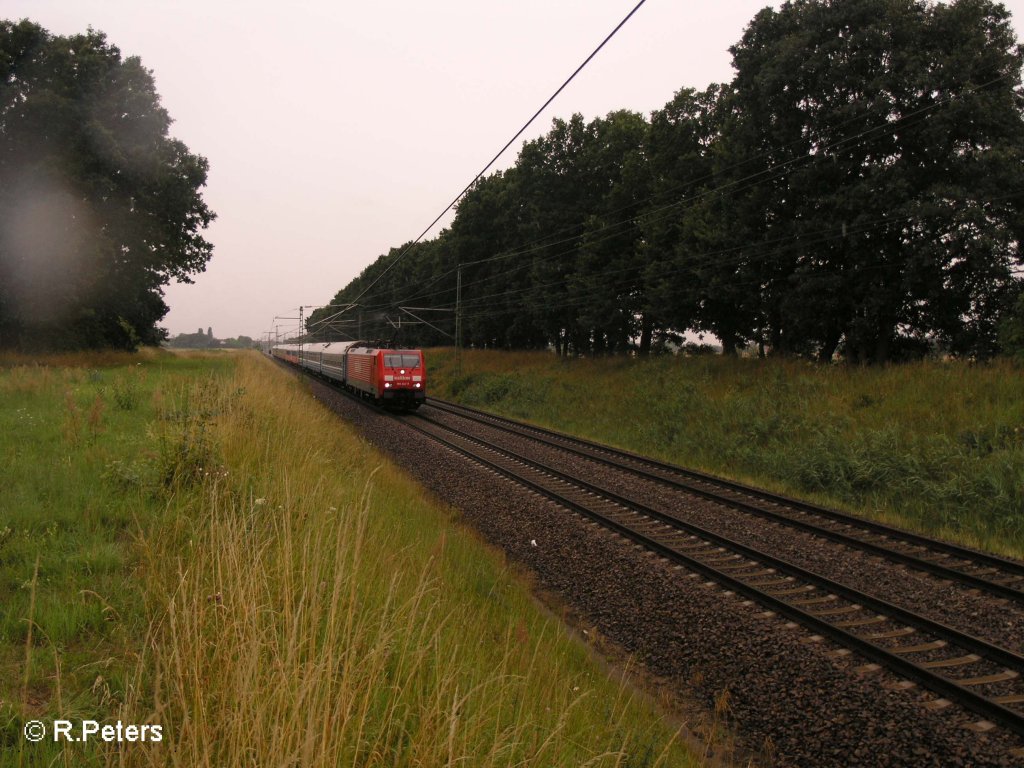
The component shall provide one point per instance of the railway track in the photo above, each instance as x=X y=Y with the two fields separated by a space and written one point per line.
x=811 y=702
x=978 y=570
x=979 y=675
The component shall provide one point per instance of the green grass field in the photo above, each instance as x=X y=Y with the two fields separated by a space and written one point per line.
x=189 y=540
x=935 y=447
x=83 y=440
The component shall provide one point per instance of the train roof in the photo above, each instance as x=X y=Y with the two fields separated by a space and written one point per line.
x=340 y=346
x=330 y=346
x=317 y=346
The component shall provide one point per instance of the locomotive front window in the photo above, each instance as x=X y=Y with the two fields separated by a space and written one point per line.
x=402 y=361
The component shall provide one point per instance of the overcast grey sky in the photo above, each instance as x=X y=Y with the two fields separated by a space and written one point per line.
x=337 y=130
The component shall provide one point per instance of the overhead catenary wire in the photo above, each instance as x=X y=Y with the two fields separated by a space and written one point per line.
x=508 y=144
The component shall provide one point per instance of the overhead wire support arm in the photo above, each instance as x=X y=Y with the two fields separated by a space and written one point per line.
x=408 y=311
x=277 y=325
x=344 y=308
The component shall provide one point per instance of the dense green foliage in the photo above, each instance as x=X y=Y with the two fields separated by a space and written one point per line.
x=99 y=207
x=898 y=214
x=856 y=188
x=1011 y=330
x=933 y=446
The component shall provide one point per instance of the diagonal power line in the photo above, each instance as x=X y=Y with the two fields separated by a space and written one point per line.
x=502 y=150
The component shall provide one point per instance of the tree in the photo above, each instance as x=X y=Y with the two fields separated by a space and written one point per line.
x=197 y=340
x=874 y=142
x=1011 y=330
x=699 y=271
x=609 y=282
x=484 y=240
x=99 y=207
x=558 y=195
x=579 y=190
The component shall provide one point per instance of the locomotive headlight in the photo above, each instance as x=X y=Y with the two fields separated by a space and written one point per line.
x=387 y=385
x=417 y=385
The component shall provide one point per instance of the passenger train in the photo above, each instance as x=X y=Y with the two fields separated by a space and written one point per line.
x=394 y=378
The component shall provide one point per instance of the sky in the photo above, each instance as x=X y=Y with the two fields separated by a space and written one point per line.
x=336 y=130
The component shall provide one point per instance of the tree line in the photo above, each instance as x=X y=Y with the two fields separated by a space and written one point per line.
x=201 y=340
x=856 y=189
x=99 y=206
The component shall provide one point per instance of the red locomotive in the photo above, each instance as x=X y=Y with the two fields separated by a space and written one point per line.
x=396 y=378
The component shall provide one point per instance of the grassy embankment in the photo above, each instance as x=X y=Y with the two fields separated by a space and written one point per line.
x=193 y=542
x=935 y=447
